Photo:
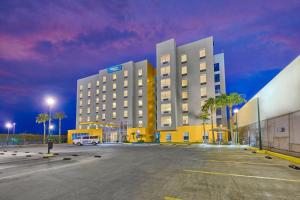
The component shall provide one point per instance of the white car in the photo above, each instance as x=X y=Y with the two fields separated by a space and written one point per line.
x=94 y=140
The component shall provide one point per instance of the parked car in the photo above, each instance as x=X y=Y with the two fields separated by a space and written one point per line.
x=94 y=140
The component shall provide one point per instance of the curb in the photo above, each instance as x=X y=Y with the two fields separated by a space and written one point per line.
x=48 y=155
x=279 y=155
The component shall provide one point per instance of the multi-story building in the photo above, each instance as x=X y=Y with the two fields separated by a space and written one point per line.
x=126 y=100
x=187 y=76
x=119 y=100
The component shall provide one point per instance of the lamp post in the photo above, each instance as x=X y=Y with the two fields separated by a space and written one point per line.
x=8 y=125
x=237 y=128
x=50 y=101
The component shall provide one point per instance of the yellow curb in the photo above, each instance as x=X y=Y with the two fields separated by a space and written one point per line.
x=171 y=198
x=48 y=155
x=279 y=155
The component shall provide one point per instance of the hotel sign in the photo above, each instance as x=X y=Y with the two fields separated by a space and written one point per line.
x=114 y=69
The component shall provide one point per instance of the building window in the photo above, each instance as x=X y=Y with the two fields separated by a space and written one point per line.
x=165 y=71
x=103 y=79
x=103 y=106
x=165 y=59
x=183 y=58
x=114 y=115
x=103 y=116
x=168 y=137
x=88 y=118
x=80 y=102
x=216 y=67
x=166 y=121
x=114 y=86
x=184 y=70
x=125 y=104
x=165 y=83
x=140 y=113
x=184 y=83
x=202 y=53
x=185 y=107
x=219 y=121
x=80 y=111
x=125 y=93
x=140 y=72
x=80 y=95
x=217 y=78
x=89 y=93
x=81 y=87
x=80 y=119
x=104 y=88
x=140 y=123
x=202 y=66
x=97 y=117
x=203 y=92
x=140 y=82
x=88 y=110
x=184 y=95
x=97 y=91
x=98 y=83
x=89 y=85
x=203 y=79
x=97 y=100
x=125 y=73
x=125 y=83
x=97 y=108
x=217 y=89
x=125 y=114
x=219 y=111
x=185 y=120
x=103 y=97
x=114 y=105
x=186 y=136
x=165 y=108
x=114 y=76
x=202 y=103
x=140 y=103
x=140 y=93
x=88 y=102
x=165 y=95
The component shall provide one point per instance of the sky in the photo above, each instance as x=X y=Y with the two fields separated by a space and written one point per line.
x=45 y=46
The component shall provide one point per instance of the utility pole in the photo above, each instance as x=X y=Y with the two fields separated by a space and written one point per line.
x=259 y=125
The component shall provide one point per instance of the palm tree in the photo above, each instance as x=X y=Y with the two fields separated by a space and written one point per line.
x=43 y=118
x=210 y=104
x=59 y=116
x=204 y=116
x=232 y=100
x=133 y=135
x=221 y=102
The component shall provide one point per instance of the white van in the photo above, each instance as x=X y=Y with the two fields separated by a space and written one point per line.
x=94 y=140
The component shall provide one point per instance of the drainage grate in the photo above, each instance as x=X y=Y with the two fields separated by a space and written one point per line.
x=1 y=153
x=253 y=151
x=13 y=154
x=40 y=153
x=75 y=155
x=56 y=154
x=245 y=149
x=66 y=158
x=294 y=167
x=28 y=155
x=268 y=157
x=97 y=156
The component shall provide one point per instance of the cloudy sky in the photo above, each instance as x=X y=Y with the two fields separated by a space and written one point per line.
x=45 y=46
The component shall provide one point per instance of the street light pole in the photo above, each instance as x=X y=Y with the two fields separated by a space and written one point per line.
x=50 y=102
x=8 y=125
x=237 y=128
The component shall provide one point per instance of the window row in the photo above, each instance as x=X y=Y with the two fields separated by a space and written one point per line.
x=114 y=115
x=167 y=120
x=164 y=59
x=165 y=71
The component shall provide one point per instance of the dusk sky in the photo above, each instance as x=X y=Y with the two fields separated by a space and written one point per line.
x=45 y=46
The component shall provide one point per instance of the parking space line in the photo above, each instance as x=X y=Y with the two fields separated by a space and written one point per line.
x=171 y=198
x=238 y=162
x=241 y=175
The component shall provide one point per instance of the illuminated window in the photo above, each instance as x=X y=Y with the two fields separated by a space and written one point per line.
x=202 y=103
x=184 y=70
x=97 y=108
x=103 y=97
x=103 y=116
x=184 y=83
x=104 y=88
x=185 y=107
x=114 y=105
x=140 y=113
x=125 y=83
x=184 y=95
x=183 y=58
x=114 y=86
x=166 y=121
x=104 y=79
x=80 y=119
x=89 y=102
x=186 y=136
x=165 y=95
x=97 y=91
x=103 y=106
x=114 y=76
x=202 y=53
x=202 y=79
x=140 y=82
x=81 y=87
x=140 y=92
x=202 y=66
x=165 y=71
x=97 y=117
x=140 y=72
x=98 y=83
x=203 y=92
x=97 y=100
x=165 y=108
x=79 y=127
x=165 y=83
x=165 y=59
x=140 y=103
x=125 y=113
x=185 y=119
x=89 y=85
x=88 y=118
x=88 y=110
x=125 y=104
x=140 y=123
x=114 y=95
x=80 y=95
x=80 y=102
x=168 y=137
x=89 y=93
x=80 y=111
x=125 y=73
x=114 y=115
x=125 y=93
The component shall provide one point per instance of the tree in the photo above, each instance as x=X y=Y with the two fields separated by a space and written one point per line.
x=210 y=105
x=59 y=116
x=221 y=101
x=133 y=135
x=204 y=116
x=232 y=100
x=43 y=118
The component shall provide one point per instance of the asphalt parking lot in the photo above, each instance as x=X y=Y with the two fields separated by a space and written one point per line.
x=122 y=171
